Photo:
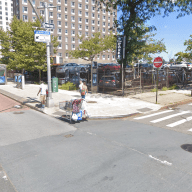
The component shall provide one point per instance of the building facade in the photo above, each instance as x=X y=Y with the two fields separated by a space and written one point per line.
x=6 y=14
x=71 y=17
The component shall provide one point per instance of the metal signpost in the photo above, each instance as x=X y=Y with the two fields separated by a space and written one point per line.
x=120 y=53
x=158 y=61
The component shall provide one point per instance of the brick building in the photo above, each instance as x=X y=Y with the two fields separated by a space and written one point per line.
x=71 y=17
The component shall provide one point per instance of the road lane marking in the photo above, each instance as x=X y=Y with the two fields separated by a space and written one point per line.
x=163 y=162
x=170 y=116
x=180 y=122
x=154 y=114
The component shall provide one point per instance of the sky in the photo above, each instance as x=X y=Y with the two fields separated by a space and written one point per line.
x=174 y=32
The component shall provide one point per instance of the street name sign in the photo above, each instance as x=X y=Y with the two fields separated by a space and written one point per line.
x=48 y=26
x=158 y=61
x=42 y=36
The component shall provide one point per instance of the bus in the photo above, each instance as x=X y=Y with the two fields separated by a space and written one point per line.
x=3 y=74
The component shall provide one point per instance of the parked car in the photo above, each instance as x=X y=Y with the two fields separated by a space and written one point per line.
x=109 y=67
x=181 y=66
x=109 y=82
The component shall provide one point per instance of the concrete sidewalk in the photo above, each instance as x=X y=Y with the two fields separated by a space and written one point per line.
x=98 y=105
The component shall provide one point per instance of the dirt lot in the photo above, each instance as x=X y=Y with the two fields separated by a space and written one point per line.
x=165 y=98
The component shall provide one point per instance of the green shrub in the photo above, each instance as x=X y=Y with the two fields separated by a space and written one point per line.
x=173 y=87
x=68 y=86
x=164 y=89
x=153 y=90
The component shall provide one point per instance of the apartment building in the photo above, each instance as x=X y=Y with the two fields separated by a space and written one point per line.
x=71 y=17
x=6 y=14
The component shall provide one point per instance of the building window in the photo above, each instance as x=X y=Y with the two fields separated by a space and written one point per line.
x=80 y=20
x=103 y=17
x=80 y=6
x=41 y=4
x=60 y=54
x=93 y=15
x=24 y=1
x=41 y=12
x=73 y=39
x=98 y=22
x=80 y=27
x=86 y=28
x=25 y=10
x=98 y=16
x=66 y=54
x=86 y=14
x=66 y=17
x=72 y=18
x=60 y=46
x=66 y=2
x=73 y=33
x=66 y=25
x=98 y=56
x=80 y=33
x=103 y=57
x=65 y=9
x=108 y=57
x=80 y=13
x=58 y=15
x=51 y=21
x=93 y=8
x=59 y=31
x=59 y=1
x=86 y=1
x=72 y=25
x=93 y=28
x=59 y=23
x=66 y=39
x=34 y=19
x=25 y=18
x=86 y=7
x=58 y=8
x=93 y=2
x=59 y=38
x=103 y=24
x=66 y=46
x=103 y=30
x=73 y=47
x=50 y=14
x=86 y=34
x=93 y=22
x=104 y=11
x=72 y=4
x=86 y=21
x=73 y=11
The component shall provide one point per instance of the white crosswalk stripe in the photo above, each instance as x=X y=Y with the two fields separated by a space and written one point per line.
x=154 y=114
x=170 y=116
x=180 y=122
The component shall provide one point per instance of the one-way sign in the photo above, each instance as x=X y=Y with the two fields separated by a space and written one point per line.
x=48 y=26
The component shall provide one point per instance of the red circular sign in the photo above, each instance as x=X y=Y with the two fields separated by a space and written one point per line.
x=158 y=61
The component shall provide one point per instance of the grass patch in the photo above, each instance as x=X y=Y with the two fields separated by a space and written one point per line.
x=173 y=87
x=153 y=90
x=164 y=89
x=161 y=94
x=68 y=86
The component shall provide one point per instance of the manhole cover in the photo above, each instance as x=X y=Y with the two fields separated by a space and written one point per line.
x=187 y=147
x=18 y=112
x=69 y=135
x=91 y=101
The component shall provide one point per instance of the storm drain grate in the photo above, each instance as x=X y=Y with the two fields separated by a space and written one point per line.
x=187 y=147
x=18 y=112
x=69 y=135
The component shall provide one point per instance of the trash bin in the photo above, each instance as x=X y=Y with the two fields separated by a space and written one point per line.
x=54 y=84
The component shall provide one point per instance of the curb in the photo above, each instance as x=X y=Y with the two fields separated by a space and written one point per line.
x=176 y=104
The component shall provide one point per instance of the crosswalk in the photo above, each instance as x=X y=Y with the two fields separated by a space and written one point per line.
x=168 y=118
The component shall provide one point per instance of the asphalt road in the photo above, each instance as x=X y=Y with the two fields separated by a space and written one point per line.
x=39 y=153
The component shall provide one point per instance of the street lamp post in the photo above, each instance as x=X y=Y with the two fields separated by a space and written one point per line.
x=50 y=102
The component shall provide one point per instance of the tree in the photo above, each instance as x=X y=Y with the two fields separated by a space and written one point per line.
x=92 y=46
x=135 y=13
x=150 y=46
x=19 y=50
x=187 y=55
